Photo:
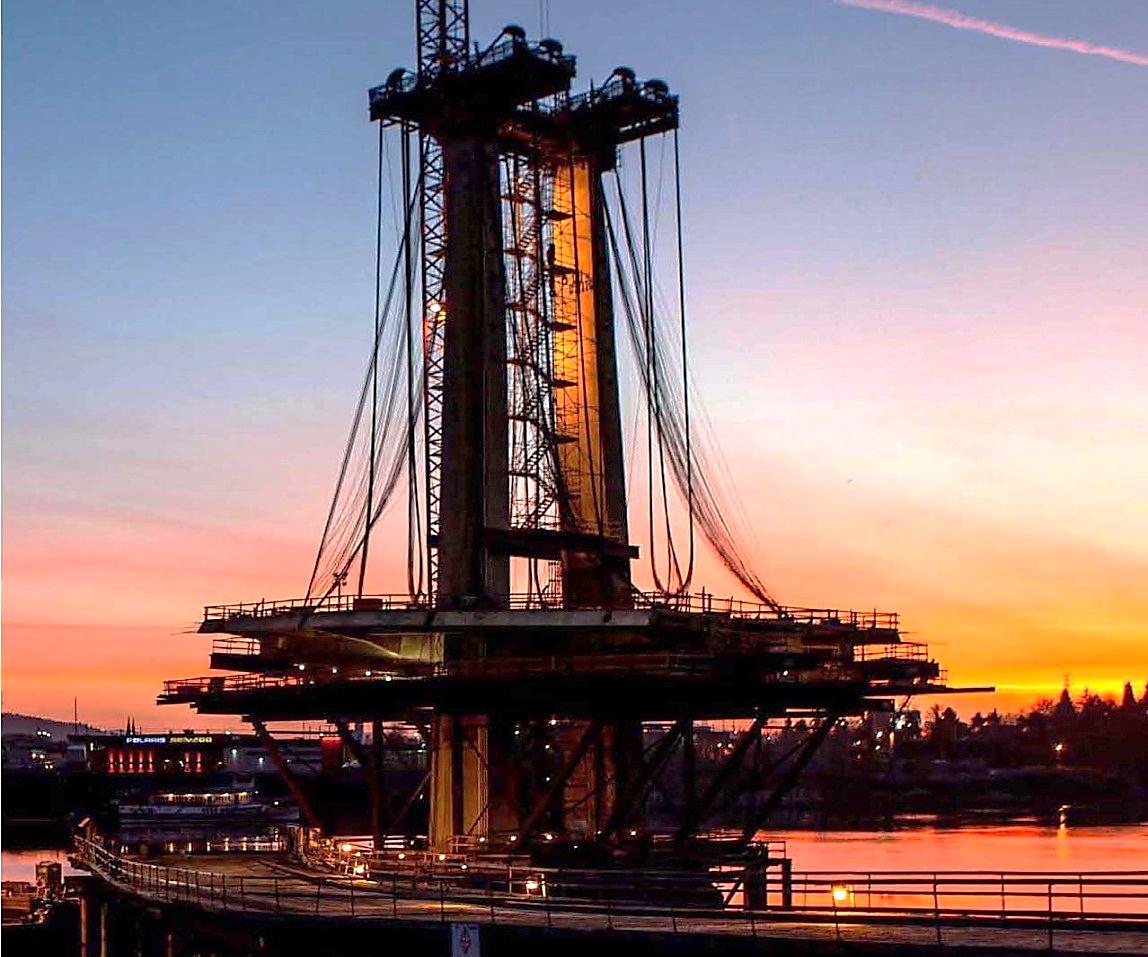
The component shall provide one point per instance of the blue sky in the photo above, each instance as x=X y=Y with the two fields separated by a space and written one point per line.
x=916 y=260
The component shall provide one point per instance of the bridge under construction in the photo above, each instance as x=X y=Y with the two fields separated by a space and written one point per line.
x=527 y=257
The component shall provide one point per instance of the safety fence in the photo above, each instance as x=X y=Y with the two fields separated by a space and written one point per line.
x=235 y=647
x=702 y=603
x=900 y=651
x=651 y=663
x=912 y=663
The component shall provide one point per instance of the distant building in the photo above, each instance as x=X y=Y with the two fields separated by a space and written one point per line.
x=188 y=753
x=33 y=752
x=202 y=753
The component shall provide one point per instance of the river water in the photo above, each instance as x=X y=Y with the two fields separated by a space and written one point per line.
x=858 y=865
x=1007 y=847
x=21 y=865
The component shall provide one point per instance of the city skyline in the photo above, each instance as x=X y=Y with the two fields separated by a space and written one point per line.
x=917 y=294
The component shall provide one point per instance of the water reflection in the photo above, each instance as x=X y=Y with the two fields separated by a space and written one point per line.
x=1012 y=847
x=21 y=865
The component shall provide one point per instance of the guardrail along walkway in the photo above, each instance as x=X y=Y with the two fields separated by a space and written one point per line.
x=1098 y=912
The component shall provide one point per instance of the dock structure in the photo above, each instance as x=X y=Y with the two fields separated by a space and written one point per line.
x=522 y=647
x=178 y=906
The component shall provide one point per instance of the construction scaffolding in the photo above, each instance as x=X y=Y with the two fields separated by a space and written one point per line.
x=522 y=648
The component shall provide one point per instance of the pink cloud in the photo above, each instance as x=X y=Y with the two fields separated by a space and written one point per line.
x=961 y=21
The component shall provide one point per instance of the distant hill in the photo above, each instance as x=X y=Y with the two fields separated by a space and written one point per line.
x=11 y=723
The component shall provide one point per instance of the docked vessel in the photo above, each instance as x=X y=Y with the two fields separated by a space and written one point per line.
x=230 y=806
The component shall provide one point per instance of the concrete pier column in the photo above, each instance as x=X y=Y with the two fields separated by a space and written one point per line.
x=459 y=804
x=618 y=584
x=86 y=906
x=753 y=882
x=377 y=785
x=102 y=933
x=474 y=483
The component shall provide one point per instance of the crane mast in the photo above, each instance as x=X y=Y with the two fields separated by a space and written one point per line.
x=443 y=31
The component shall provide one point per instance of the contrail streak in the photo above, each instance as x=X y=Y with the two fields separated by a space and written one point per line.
x=961 y=21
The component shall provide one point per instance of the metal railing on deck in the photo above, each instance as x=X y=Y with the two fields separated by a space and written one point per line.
x=901 y=651
x=705 y=603
x=701 y=603
x=234 y=646
x=910 y=665
x=265 y=608
x=178 y=689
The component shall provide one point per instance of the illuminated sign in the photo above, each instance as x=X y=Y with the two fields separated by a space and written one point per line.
x=146 y=739
x=170 y=739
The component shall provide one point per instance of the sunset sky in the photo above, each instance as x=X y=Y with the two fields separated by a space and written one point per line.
x=917 y=254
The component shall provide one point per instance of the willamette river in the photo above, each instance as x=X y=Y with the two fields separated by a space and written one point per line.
x=1007 y=847
x=21 y=865
x=1004 y=847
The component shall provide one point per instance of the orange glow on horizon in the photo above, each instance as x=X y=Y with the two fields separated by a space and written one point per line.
x=112 y=644
x=917 y=423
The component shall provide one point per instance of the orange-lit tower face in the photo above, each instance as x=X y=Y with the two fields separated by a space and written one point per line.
x=586 y=403
x=576 y=384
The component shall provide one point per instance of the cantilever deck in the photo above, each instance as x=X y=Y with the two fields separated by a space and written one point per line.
x=661 y=658
x=648 y=693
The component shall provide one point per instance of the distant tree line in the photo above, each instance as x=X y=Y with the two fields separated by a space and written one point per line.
x=1091 y=731
x=1085 y=756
